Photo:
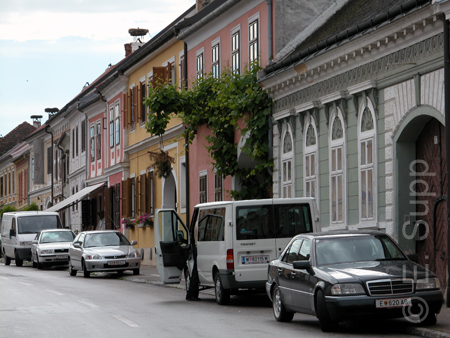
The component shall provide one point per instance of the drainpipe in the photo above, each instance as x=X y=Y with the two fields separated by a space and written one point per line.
x=447 y=139
x=269 y=32
x=184 y=86
x=51 y=161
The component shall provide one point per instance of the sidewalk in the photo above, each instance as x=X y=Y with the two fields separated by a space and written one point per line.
x=149 y=275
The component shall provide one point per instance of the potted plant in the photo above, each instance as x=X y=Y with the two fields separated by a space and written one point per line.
x=145 y=220
x=128 y=223
x=162 y=162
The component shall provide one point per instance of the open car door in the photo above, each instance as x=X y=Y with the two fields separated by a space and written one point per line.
x=172 y=245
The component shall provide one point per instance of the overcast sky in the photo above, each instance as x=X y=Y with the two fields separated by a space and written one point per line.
x=50 y=48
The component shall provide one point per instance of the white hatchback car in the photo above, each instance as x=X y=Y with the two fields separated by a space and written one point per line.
x=51 y=247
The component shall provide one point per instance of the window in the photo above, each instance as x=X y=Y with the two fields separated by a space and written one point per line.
x=337 y=168
x=286 y=166
x=367 y=165
x=291 y=254
x=199 y=66
x=49 y=160
x=73 y=193
x=211 y=225
x=253 y=43
x=73 y=143
x=311 y=177
x=99 y=141
x=32 y=168
x=13 y=183
x=9 y=183
x=215 y=58
x=203 y=189
x=142 y=98
x=117 y=118
x=76 y=190
x=132 y=107
x=83 y=136
x=1 y=186
x=76 y=142
x=92 y=144
x=218 y=187
x=235 y=52
x=111 y=127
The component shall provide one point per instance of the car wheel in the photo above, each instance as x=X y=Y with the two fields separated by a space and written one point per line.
x=86 y=274
x=40 y=266
x=430 y=319
x=136 y=272
x=279 y=311
x=72 y=271
x=326 y=324
x=7 y=260
x=19 y=262
x=187 y=279
x=222 y=295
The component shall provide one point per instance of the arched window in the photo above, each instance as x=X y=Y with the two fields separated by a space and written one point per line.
x=287 y=167
x=337 y=169
x=367 y=165
x=311 y=161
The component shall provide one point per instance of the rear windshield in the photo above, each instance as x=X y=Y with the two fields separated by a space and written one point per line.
x=35 y=224
x=272 y=221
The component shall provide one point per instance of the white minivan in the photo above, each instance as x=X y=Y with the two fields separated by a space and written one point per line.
x=18 y=230
x=234 y=241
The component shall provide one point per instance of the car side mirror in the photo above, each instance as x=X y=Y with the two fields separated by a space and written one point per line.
x=34 y=241
x=133 y=242
x=413 y=257
x=302 y=265
x=12 y=233
x=77 y=245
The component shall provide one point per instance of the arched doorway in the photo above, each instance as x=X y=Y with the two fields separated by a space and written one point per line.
x=170 y=193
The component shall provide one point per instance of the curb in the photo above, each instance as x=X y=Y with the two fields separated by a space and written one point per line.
x=429 y=333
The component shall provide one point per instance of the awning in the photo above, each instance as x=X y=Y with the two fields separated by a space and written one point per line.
x=74 y=198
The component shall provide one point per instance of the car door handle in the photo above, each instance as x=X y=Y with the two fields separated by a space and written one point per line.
x=280 y=271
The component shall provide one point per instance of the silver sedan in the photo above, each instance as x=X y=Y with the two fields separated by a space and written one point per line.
x=105 y=251
x=51 y=247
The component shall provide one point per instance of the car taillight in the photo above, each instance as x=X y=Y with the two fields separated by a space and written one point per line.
x=230 y=259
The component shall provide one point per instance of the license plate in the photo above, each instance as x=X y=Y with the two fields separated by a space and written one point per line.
x=61 y=256
x=255 y=259
x=116 y=263
x=397 y=302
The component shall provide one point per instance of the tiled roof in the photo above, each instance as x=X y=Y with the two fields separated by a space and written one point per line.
x=15 y=136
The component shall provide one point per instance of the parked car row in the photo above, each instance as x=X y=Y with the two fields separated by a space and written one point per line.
x=38 y=237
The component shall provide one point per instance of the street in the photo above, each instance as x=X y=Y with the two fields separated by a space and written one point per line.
x=50 y=303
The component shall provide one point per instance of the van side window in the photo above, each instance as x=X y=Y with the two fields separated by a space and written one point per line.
x=254 y=222
x=211 y=225
x=292 y=219
x=13 y=225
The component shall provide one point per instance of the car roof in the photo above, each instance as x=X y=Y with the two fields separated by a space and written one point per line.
x=53 y=230
x=100 y=231
x=341 y=233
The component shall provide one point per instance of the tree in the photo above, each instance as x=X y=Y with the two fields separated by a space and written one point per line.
x=222 y=104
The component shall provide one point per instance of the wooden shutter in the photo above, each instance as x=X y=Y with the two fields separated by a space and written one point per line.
x=138 y=107
x=160 y=75
x=126 y=197
x=142 y=194
x=126 y=100
x=135 y=99
x=148 y=191
x=108 y=208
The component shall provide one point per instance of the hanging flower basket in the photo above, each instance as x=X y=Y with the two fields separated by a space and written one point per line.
x=162 y=162
x=128 y=223
x=145 y=221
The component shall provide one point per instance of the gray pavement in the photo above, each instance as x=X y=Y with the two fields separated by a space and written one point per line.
x=149 y=274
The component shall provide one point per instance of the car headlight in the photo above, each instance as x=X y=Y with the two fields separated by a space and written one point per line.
x=25 y=243
x=46 y=252
x=347 y=289
x=428 y=283
x=134 y=254
x=94 y=256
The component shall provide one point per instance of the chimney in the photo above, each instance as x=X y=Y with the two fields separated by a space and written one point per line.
x=128 y=49
x=36 y=120
x=200 y=4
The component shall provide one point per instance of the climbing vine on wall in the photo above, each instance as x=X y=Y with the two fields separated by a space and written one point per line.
x=233 y=102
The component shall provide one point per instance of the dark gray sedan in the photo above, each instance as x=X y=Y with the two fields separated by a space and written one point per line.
x=106 y=251
x=342 y=275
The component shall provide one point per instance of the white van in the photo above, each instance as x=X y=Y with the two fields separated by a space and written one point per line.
x=235 y=241
x=18 y=230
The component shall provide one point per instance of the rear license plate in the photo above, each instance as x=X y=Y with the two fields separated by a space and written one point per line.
x=61 y=256
x=397 y=302
x=255 y=259
x=116 y=262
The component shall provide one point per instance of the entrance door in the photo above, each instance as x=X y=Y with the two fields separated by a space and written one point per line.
x=172 y=245
x=430 y=152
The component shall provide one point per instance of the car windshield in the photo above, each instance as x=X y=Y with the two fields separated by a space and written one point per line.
x=57 y=236
x=356 y=249
x=105 y=239
x=34 y=224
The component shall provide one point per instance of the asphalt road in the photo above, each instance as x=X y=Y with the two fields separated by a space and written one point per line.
x=49 y=303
